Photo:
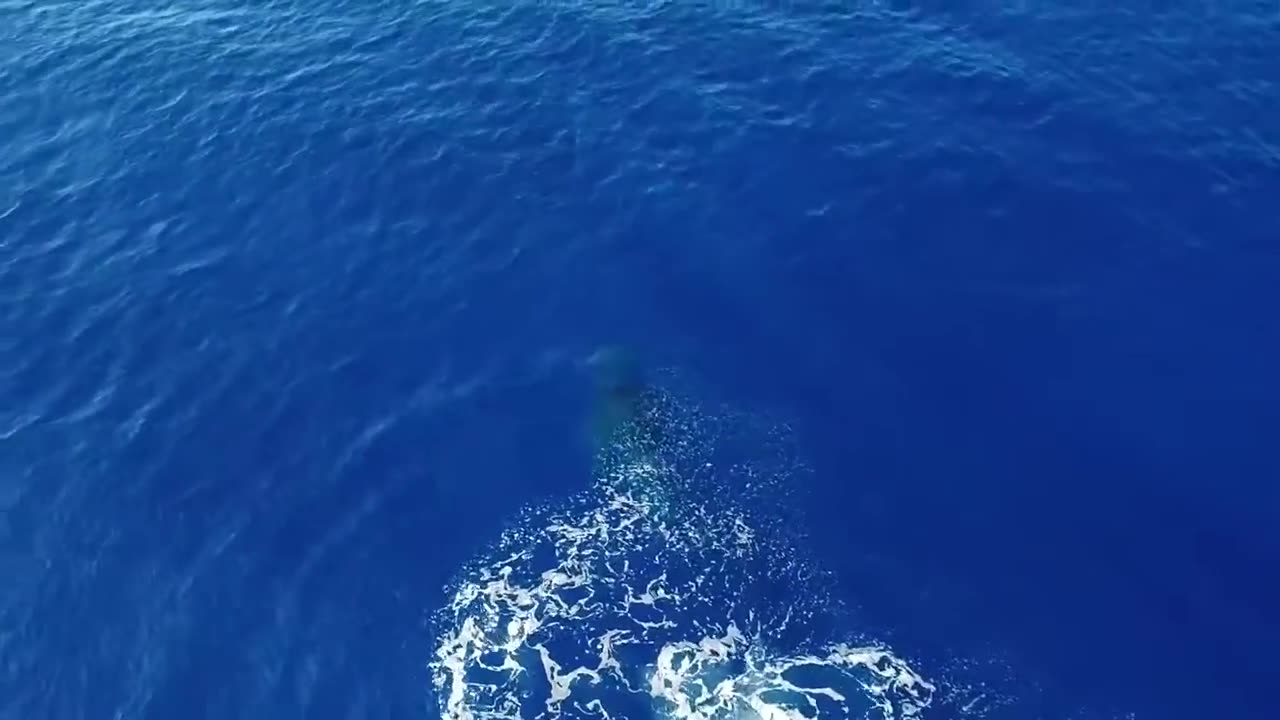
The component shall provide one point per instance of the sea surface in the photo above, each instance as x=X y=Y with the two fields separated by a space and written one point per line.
x=952 y=330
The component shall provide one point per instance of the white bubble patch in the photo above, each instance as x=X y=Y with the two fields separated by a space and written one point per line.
x=672 y=588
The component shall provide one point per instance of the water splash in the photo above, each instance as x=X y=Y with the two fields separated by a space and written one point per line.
x=675 y=586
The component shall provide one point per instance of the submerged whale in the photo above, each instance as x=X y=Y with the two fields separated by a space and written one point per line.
x=630 y=430
x=627 y=411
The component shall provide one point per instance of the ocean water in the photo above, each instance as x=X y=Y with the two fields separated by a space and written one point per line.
x=954 y=327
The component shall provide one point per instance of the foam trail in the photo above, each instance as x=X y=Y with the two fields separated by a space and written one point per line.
x=673 y=585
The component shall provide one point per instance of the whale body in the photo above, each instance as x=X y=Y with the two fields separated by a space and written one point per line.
x=626 y=414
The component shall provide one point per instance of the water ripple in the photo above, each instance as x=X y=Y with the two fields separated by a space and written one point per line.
x=222 y=226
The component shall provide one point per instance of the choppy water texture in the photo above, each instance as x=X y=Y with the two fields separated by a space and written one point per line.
x=297 y=302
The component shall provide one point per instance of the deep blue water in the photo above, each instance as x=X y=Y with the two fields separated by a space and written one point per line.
x=295 y=300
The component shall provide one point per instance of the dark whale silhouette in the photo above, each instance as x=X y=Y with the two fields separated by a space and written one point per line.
x=627 y=412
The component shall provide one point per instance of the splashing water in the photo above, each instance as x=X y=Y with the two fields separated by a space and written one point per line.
x=674 y=587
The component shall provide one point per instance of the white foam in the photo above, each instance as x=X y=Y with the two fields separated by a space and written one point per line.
x=646 y=587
